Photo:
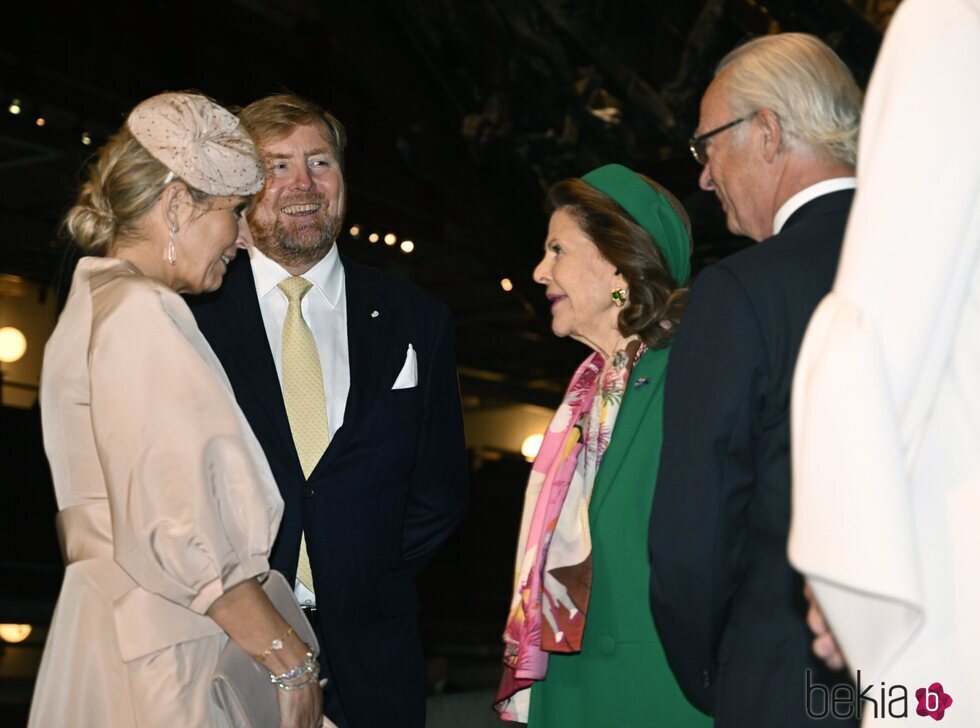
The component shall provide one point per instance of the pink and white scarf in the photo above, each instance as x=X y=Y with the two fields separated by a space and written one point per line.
x=553 y=574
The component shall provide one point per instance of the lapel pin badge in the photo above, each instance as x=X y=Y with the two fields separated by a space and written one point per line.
x=642 y=381
x=375 y=314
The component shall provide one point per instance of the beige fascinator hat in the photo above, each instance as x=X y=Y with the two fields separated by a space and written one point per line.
x=199 y=141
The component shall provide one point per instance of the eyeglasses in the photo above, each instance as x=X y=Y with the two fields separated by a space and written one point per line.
x=698 y=144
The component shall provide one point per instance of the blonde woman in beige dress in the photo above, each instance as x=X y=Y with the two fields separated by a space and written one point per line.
x=168 y=509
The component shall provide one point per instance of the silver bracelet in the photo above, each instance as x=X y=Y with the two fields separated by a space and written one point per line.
x=300 y=669
x=311 y=680
x=309 y=665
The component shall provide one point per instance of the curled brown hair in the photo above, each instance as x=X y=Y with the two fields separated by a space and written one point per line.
x=654 y=296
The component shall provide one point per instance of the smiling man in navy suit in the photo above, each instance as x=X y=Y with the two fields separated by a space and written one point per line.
x=347 y=376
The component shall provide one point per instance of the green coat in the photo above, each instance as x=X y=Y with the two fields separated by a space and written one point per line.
x=620 y=679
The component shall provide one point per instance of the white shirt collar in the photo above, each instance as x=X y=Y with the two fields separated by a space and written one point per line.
x=327 y=276
x=794 y=203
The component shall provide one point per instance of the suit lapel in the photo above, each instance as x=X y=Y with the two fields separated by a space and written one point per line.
x=250 y=356
x=639 y=404
x=369 y=323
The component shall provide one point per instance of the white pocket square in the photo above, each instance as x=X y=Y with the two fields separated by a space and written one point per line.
x=408 y=377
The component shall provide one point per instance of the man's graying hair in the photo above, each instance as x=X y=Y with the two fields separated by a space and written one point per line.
x=806 y=84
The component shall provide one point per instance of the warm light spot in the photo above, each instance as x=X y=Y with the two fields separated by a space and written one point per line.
x=40 y=121
x=407 y=246
x=530 y=446
x=506 y=284
x=14 y=107
x=86 y=139
x=14 y=632
x=355 y=231
x=374 y=237
x=390 y=239
x=13 y=344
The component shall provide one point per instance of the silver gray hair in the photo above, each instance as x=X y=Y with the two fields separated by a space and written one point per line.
x=806 y=84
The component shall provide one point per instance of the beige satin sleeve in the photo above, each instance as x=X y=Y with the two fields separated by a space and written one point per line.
x=194 y=506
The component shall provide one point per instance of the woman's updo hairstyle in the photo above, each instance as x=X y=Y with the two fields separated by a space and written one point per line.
x=182 y=136
x=122 y=185
x=655 y=302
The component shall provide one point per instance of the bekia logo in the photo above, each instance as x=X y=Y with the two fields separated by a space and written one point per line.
x=882 y=701
x=933 y=701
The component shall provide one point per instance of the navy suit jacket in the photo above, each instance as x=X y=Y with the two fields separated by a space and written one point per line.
x=727 y=603
x=390 y=488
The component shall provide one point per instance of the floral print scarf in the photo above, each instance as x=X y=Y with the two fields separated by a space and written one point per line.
x=553 y=574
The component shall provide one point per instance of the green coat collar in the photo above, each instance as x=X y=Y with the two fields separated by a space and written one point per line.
x=641 y=411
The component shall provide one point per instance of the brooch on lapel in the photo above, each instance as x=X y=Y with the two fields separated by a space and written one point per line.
x=642 y=381
x=375 y=314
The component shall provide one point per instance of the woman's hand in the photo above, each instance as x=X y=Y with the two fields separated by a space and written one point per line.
x=250 y=619
x=301 y=708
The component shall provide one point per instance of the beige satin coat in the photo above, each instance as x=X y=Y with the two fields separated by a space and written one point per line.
x=165 y=501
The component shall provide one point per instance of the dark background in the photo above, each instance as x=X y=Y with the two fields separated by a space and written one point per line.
x=460 y=115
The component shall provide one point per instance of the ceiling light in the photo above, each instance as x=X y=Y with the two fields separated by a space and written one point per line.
x=86 y=139
x=40 y=121
x=530 y=446
x=14 y=632
x=374 y=237
x=506 y=284
x=355 y=231
x=13 y=344
x=14 y=107
x=390 y=239
x=407 y=246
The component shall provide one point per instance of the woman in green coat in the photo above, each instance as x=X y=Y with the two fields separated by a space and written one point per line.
x=581 y=646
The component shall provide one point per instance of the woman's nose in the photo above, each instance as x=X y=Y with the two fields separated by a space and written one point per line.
x=540 y=274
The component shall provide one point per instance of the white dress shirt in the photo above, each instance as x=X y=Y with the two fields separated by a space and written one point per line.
x=324 y=309
x=794 y=203
x=325 y=312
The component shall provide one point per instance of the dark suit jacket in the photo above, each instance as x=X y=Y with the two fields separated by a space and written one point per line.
x=389 y=490
x=728 y=605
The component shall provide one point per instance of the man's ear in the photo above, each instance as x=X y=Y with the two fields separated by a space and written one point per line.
x=772 y=133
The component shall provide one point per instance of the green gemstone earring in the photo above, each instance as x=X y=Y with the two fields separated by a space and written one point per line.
x=619 y=297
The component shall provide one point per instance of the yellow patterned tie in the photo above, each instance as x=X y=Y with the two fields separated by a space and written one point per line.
x=302 y=389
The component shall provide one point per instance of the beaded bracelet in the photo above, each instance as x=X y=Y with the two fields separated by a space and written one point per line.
x=277 y=644
x=302 y=668
x=311 y=680
x=309 y=666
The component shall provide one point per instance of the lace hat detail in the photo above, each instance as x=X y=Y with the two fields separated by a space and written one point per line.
x=199 y=141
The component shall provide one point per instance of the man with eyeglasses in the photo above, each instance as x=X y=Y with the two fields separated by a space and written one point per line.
x=777 y=139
